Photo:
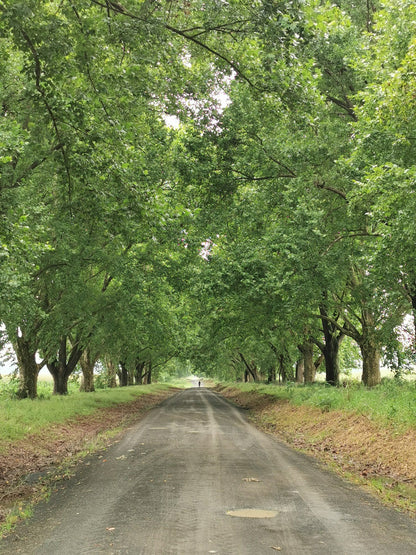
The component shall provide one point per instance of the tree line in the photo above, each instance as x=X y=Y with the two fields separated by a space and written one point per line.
x=274 y=219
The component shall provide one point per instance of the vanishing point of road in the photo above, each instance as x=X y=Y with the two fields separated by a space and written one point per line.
x=194 y=477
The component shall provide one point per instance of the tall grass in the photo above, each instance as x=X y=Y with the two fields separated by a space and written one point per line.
x=393 y=402
x=20 y=418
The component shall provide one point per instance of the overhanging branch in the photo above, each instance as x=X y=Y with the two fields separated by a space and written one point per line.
x=119 y=9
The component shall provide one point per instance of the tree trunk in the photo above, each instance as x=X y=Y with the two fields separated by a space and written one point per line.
x=61 y=368
x=60 y=377
x=111 y=372
x=271 y=375
x=148 y=375
x=87 y=362
x=309 y=366
x=300 y=369
x=123 y=375
x=139 y=372
x=251 y=371
x=413 y=300
x=283 y=373
x=330 y=350
x=370 y=353
x=28 y=368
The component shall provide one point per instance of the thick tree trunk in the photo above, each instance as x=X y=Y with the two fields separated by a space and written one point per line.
x=330 y=350
x=148 y=375
x=123 y=375
x=111 y=372
x=370 y=353
x=87 y=362
x=139 y=372
x=61 y=368
x=28 y=368
x=309 y=366
x=60 y=378
x=283 y=373
x=300 y=369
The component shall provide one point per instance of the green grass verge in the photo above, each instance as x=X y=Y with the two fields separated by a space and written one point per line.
x=20 y=418
x=390 y=403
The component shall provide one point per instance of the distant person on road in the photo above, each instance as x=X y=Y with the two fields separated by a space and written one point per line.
x=199 y=384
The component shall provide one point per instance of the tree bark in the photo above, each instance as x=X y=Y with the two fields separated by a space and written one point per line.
x=60 y=378
x=28 y=367
x=87 y=362
x=370 y=353
x=139 y=372
x=309 y=367
x=148 y=375
x=413 y=301
x=284 y=374
x=281 y=356
x=61 y=368
x=251 y=370
x=123 y=374
x=300 y=368
x=330 y=350
x=111 y=372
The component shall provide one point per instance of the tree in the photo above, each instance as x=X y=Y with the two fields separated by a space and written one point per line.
x=295 y=125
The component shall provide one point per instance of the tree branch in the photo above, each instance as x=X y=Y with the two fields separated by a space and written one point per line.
x=321 y=185
x=33 y=166
x=246 y=177
x=290 y=172
x=349 y=330
x=344 y=104
x=350 y=236
x=118 y=8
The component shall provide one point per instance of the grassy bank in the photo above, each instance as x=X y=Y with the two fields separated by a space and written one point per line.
x=392 y=403
x=21 y=418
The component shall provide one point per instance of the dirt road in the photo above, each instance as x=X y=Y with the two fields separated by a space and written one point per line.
x=195 y=478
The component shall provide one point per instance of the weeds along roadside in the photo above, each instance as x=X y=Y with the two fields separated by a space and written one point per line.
x=21 y=418
x=392 y=403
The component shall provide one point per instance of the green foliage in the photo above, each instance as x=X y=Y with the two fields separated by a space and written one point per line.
x=292 y=164
x=349 y=357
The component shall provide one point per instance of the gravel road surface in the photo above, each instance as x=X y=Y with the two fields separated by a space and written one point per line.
x=194 y=477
